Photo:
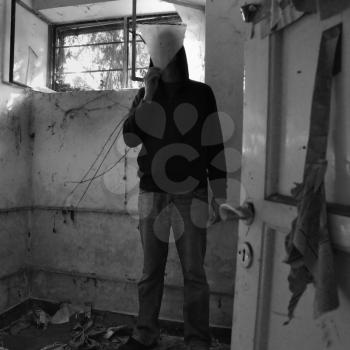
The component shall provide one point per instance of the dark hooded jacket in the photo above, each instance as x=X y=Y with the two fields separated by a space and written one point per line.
x=180 y=135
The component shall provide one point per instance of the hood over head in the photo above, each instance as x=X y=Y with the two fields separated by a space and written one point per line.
x=177 y=69
x=163 y=41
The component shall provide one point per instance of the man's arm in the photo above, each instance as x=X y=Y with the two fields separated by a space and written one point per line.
x=131 y=132
x=215 y=156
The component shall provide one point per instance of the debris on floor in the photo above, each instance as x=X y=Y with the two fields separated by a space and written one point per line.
x=55 y=346
x=75 y=327
x=40 y=318
x=62 y=315
x=86 y=331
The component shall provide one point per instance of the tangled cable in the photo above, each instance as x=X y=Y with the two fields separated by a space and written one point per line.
x=117 y=129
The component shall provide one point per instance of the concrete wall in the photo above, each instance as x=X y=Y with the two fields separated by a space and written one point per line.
x=224 y=69
x=14 y=182
x=93 y=252
x=194 y=42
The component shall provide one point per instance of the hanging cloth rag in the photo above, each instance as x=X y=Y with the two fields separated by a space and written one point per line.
x=308 y=246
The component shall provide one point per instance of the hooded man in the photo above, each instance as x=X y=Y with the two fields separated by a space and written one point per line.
x=175 y=120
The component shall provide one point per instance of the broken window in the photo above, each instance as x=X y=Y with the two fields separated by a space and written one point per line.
x=98 y=56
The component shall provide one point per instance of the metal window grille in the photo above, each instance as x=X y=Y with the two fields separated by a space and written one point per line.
x=97 y=55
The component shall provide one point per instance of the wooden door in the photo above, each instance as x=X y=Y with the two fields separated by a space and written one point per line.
x=279 y=81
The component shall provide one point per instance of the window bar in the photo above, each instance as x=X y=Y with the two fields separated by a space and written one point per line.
x=133 y=66
x=125 y=53
x=88 y=26
x=12 y=39
x=94 y=71
x=92 y=44
x=59 y=59
x=51 y=57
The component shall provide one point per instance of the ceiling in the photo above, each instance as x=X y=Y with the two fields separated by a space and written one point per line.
x=67 y=11
x=200 y=3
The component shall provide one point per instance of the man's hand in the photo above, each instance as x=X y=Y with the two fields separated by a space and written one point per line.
x=151 y=82
x=215 y=206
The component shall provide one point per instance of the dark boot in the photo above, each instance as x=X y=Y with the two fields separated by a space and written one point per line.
x=133 y=344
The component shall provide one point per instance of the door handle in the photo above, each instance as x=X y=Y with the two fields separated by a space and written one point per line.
x=245 y=212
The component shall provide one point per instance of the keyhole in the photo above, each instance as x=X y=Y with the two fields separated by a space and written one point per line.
x=245 y=255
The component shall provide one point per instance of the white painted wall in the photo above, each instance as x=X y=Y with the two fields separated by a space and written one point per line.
x=224 y=59
x=224 y=73
x=225 y=33
x=194 y=42
x=14 y=139
x=14 y=181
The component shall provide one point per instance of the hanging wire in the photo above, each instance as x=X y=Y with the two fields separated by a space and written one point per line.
x=101 y=174
x=94 y=162
x=99 y=167
x=95 y=176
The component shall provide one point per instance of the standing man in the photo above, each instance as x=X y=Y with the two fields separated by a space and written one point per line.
x=175 y=120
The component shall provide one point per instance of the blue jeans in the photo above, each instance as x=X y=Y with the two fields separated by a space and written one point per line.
x=186 y=215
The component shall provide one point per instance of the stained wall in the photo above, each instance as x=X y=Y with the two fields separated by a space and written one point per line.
x=224 y=72
x=15 y=188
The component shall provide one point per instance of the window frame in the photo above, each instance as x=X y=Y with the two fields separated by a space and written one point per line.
x=58 y=31
x=9 y=70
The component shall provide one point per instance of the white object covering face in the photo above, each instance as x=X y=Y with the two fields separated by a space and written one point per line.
x=163 y=41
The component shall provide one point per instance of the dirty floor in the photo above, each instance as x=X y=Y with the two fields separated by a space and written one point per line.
x=34 y=338
x=37 y=340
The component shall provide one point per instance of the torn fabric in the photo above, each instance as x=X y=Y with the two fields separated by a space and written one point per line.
x=276 y=14
x=308 y=245
x=327 y=8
